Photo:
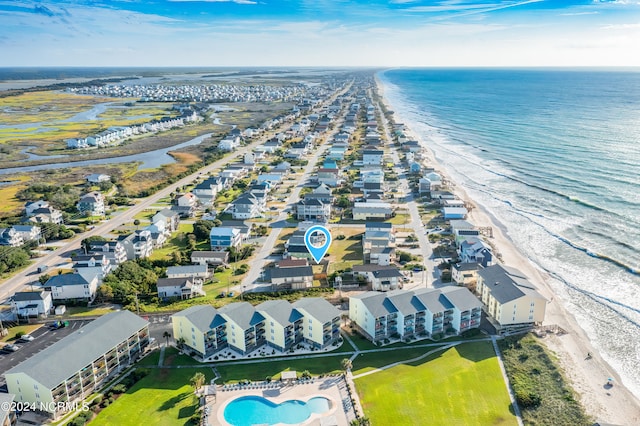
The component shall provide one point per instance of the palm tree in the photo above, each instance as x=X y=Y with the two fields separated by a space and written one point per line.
x=346 y=364
x=197 y=380
x=167 y=336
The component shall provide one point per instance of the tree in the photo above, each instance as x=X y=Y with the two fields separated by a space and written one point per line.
x=197 y=380
x=167 y=336
x=346 y=364
x=87 y=242
x=202 y=229
x=136 y=223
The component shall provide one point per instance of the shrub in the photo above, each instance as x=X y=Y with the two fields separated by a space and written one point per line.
x=527 y=398
x=119 y=388
x=19 y=334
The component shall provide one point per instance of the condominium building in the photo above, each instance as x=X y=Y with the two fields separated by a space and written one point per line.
x=510 y=298
x=205 y=330
x=419 y=313
x=77 y=365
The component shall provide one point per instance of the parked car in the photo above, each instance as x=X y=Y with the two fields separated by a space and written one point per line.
x=10 y=347
x=230 y=294
x=26 y=338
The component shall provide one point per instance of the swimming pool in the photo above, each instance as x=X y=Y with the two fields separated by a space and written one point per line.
x=251 y=410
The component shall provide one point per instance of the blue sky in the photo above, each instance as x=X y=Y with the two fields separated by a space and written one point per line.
x=320 y=33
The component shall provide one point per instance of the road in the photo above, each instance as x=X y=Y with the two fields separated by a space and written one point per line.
x=18 y=281
x=412 y=206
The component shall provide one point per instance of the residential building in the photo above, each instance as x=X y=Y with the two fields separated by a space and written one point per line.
x=222 y=238
x=31 y=206
x=91 y=204
x=367 y=211
x=46 y=215
x=321 y=321
x=381 y=278
x=313 y=209
x=329 y=177
x=465 y=274
x=29 y=304
x=79 y=364
x=283 y=324
x=29 y=232
x=213 y=258
x=247 y=206
x=113 y=250
x=79 y=286
x=180 y=288
x=474 y=250
x=201 y=329
x=138 y=245
x=454 y=213
x=187 y=200
x=98 y=178
x=10 y=237
x=509 y=297
x=97 y=263
x=245 y=327
x=411 y=314
x=170 y=219
x=372 y=156
x=199 y=272
x=297 y=277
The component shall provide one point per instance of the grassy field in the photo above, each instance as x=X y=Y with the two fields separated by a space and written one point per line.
x=461 y=386
x=163 y=398
x=25 y=329
x=10 y=203
x=347 y=252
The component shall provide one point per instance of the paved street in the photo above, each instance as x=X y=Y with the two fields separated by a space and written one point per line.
x=429 y=275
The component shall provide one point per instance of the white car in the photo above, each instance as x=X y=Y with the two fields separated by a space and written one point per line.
x=27 y=338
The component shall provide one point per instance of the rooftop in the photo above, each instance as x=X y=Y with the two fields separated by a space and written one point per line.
x=66 y=357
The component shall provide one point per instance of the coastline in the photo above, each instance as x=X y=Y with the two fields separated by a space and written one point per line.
x=588 y=377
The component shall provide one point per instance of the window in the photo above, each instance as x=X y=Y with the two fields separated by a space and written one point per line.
x=271 y=323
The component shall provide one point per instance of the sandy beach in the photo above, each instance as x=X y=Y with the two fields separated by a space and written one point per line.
x=613 y=405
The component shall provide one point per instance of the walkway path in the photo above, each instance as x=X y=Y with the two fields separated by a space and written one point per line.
x=418 y=358
x=512 y=396
x=161 y=357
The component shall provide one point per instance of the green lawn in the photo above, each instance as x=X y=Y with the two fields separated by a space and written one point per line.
x=24 y=329
x=461 y=386
x=163 y=398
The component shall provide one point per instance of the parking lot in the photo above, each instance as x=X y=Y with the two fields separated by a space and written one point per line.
x=44 y=337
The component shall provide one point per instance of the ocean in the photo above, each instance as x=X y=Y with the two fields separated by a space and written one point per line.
x=554 y=156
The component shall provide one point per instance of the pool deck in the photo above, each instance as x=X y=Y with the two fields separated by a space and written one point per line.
x=333 y=388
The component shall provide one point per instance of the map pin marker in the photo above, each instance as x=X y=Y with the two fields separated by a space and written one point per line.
x=317 y=239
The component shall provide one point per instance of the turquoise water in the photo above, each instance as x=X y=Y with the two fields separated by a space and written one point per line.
x=554 y=156
x=254 y=410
